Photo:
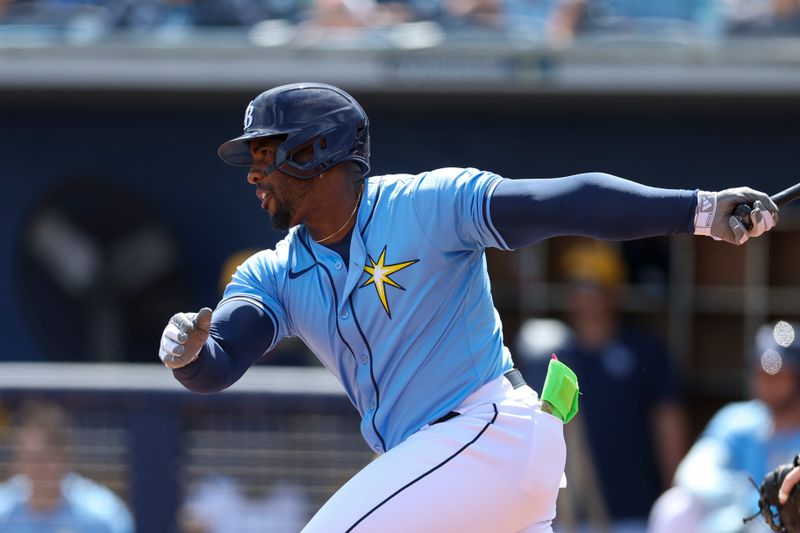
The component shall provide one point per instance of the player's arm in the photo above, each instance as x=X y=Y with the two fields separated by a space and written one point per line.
x=602 y=206
x=671 y=438
x=208 y=352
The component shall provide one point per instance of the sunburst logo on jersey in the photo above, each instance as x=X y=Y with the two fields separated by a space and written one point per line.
x=379 y=273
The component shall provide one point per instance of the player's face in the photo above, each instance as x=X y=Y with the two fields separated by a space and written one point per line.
x=280 y=195
x=39 y=460
x=778 y=391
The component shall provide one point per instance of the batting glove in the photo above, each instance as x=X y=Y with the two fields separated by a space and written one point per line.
x=713 y=216
x=184 y=337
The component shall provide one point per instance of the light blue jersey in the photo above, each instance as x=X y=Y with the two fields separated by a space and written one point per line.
x=86 y=507
x=739 y=443
x=408 y=327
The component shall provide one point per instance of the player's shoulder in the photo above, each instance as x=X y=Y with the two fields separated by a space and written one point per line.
x=14 y=491
x=446 y=179
x=431 y=178
x=96 y=503
x=453 y=177
x=275 y=258
x=748 y=417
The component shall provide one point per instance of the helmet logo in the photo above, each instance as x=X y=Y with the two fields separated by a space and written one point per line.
x=248 y=115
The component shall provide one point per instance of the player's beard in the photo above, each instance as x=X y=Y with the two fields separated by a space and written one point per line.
x=288 y=195
x=282 y=218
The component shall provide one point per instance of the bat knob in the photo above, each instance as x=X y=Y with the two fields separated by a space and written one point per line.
x=742 y=214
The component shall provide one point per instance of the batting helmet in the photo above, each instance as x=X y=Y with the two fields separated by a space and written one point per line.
x=310 y=115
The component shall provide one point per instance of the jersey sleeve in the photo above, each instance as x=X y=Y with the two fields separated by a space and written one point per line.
x=256 y=281
x=452 y=208
x=597 y=205
x=716 y=468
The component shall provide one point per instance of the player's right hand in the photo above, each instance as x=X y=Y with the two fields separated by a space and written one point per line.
x=727 y=228
x=184 y=337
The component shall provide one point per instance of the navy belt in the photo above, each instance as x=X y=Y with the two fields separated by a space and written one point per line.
x=514 y=377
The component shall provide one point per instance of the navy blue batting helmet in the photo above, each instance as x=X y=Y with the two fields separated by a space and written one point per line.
x=309 y=115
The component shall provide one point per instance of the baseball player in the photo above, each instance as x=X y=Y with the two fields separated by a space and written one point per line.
x=385 y=280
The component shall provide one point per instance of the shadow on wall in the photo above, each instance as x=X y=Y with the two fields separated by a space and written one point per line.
x=97 y=271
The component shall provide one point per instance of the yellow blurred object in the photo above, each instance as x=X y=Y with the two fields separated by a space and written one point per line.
x=594 y=262
x=230 y=265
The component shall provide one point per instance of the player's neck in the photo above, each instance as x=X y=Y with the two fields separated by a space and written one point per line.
x=337 y=209
x=595 y=334
x=787 y=417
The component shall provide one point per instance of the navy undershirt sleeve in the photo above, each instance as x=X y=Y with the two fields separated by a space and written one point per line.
x=241 y=333
x=602 y=206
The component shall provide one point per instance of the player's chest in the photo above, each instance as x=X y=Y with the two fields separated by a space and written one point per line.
x=381 y=277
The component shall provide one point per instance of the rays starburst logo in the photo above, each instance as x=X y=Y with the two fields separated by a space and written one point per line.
x=379 y=276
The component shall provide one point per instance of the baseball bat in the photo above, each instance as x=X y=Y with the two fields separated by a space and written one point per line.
x=742 y=211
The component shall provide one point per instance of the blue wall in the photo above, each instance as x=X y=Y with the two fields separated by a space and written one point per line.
x=162 y=147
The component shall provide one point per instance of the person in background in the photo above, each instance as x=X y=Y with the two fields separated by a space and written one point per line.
x=762 y=18
x=676 y=19
x=219 y=504
x=355 y=14
x=44 y=495
x=713 y=491
x=631 y=431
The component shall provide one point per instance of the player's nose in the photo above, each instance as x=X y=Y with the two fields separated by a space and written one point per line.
x=254 y=175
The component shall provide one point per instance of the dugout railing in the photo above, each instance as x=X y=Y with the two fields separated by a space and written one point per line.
x=140 y=433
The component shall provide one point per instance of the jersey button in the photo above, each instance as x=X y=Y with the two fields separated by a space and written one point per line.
x=371 y=406
x=364 y=359
x=344 y=315
x=338 y=265
x=376 y=447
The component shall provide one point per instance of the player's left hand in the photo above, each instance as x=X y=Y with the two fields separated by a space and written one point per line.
x=726 y=227
x=789 y=482
x=184 y=337
x=779 y=509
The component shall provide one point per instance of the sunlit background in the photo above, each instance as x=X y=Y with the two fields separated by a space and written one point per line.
x=115 y=212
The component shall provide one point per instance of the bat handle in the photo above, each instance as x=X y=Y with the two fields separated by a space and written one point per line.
x=742 y=214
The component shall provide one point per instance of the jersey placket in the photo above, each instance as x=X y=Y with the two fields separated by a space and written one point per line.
x=345 y=281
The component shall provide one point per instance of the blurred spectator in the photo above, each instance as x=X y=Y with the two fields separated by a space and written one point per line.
x=762 y=17
x=631 y=432
x=44 y=496
x=643 y=17
x=713 y=492
x=356 y=13
x=150 y=14
x=218 y=505
x=474 y=13
x=553 y=21
x=546 y=19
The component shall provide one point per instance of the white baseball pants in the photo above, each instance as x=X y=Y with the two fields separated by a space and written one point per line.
x=496 y=468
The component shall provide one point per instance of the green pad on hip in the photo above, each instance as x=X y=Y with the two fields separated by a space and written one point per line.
x=561 y=390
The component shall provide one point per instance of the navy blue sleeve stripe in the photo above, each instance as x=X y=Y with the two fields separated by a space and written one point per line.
x=374 y=204
x=487 y=219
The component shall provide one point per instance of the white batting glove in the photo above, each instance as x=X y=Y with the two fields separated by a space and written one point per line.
x=184 y=337
x=713 y=216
